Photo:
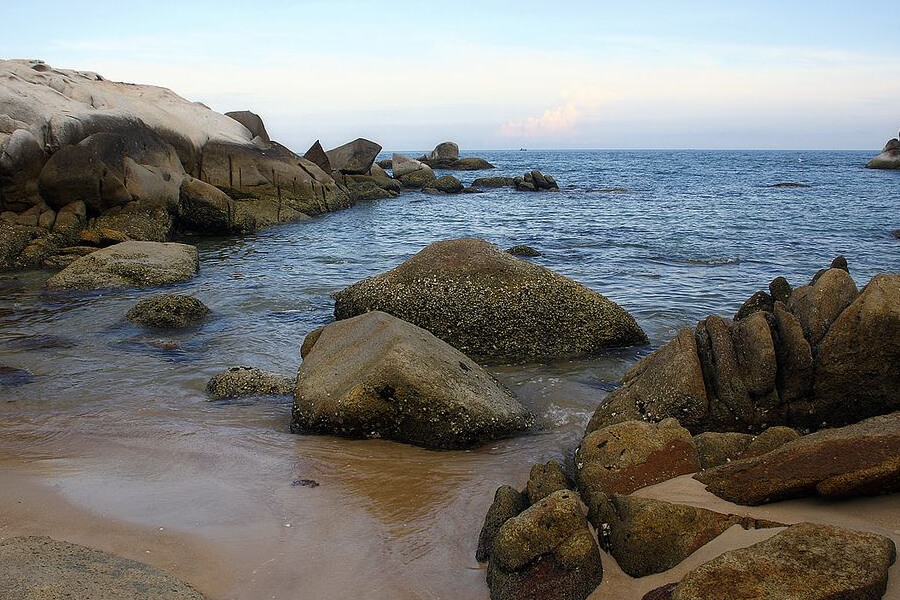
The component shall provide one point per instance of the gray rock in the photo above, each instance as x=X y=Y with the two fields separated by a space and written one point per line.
x=470 y=164
x=403 y=165
x=447 y=184
x=375 y=376
x=545 y=479
x=170 y=311
x=494 y=182
x=316 y=155
x=207 y=210
x=889 y=157
x=254 y=124
x=354 y=157
x=444 y=151
x=523 y=250
x=40 y=568
x=129 y=264
x=488 y=303
x=803 y=562
x=243 y=382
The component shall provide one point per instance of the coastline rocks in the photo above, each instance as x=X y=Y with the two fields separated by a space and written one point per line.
x=316 y=155
x=171 y=311
x=648 y=536
x=545 y=479
x=508 y=503
x=253 y=123
x=447 y=184
x=445 y=151
x=622 y=458
x=534 y=181
x=805 y=561
x=545 y=553
x=243 y=382
x=46 y=569
x=889 y=157
x=717 y=448
x=375 y=376
x=354 y=158
x=129 y=264
x=490 y=304
x=494 y=182
x=813 y=362
x=207 y=210
x=470 y=164
x=861 y=459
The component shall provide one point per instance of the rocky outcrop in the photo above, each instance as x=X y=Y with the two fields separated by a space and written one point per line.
x=244 y=382
x=545 y=479
x=494 y=182
x=814 y=361
x=545 y=553
x=805 y=561
x=129 y=264
x=487 y=303
x=316 y=155
x=625 y=457
x=354 y=158
x=375 y=376
x=648 y=536
x=443 y=155
x=889 y=157
x=446 y=184
x=471 y=163
x=523 y=250
x=855 y=460
x=412 y=173
x=80 y=153
x=170 y=311
x=508 y=503
x=716 y=448
x=535 y=181
x=46 y=569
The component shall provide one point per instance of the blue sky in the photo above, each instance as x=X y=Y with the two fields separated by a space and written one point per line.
x=793 y=75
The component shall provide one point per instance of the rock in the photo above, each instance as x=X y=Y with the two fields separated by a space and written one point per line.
x=649 y=536
x=253 y=123
x=768 y=440
x=386 y=163
x=21 y=160
x=41 y=568
x=896 y=233
x=788 y=184
x=444 y=151
x=471 y=164
x=14 y=377
x=668 y=382
x=310 y=340
x=523 y=185
x=129 y=264
x=544 y=480
x=508 y=503
x=403 y=165
x=170 y=311
x=354 y=157
x=889 y=157
x=368 y=191
x=545 y=553
x=447 y=184
x=14 y=239
x=543 y=182
x=243 y=382
x=803 y=562
x=663 y=592
x=375 y=376
x=316 y=155
x=622 y=458
x=488 y=303
x=856 y=355
x=523 y=250
x=494 y=182
x=717 y=448
x=758 y=302
x=817 y=306
x=860 y=459
x=780 y=290
x=418 y=179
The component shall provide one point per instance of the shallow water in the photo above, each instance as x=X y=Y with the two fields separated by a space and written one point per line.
x=116 y=418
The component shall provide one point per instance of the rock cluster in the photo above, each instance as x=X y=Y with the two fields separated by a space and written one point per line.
x=375 y=376
x=446 y=156
x=488 y=303
x=533 y=181
x=86 y=162
x=889 y=157
x=812 y=358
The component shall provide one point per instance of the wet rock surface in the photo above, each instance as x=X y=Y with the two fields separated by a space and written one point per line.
x=243 y=382
x=490 y=304
x=171 y=311
x=375 y=376
x=40 y=568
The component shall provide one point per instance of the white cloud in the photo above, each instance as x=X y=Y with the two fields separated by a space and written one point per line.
x=554 y=121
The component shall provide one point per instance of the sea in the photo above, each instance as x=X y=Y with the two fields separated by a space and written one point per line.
x=115 y=418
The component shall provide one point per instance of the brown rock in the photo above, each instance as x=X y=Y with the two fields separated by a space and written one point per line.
x=795 y=368
x=544 y=480
x=622 y=458
x=170 y=311
x=717 y=448
x=316 y=155
x=243 y=382
x=804 y=562
x=861 y=459
x=508 y=503
x=354 y=157
x=253 y=123
x=768 y=440
x=818 y=306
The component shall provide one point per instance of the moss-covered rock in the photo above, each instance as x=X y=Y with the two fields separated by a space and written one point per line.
x=242 y=382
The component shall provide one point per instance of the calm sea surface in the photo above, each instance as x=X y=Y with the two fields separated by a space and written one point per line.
x=116 y=417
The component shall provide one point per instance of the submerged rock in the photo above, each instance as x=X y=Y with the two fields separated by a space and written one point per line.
x=488 y=303
x=129 y=264
x=243 y=382
x=494 y=182
x=860 y=459
x=45 y=569
x=172 y=311
x=523 y=250
x=375 y=376
x=889 y=157
x=803 y=562
x=545 y=553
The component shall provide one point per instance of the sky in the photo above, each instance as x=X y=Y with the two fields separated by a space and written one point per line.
x=498 y=75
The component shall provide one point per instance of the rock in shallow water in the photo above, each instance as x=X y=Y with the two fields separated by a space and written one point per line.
x=40 y=568
x=243 y=382
x=487 y=303
x=171 y=311
x=375 y=376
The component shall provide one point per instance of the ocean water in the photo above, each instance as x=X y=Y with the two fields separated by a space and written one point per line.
x=116 y=418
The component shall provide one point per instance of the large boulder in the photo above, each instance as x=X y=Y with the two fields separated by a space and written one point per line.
x=21 y=159
x=622 y=458
x=205 y=209
x=403 y=165
x=816 y=361
x=803 y=562
x=889 y=157
x=545 y=553
x=858 y=459
x=354 y=157
x=648 y=536
x=169 y=311
x=316 y=155
x=375 y=376
x=42 y=568
x=444 y=151
x=254 y=124
x=129 y=264
x=487 y=303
